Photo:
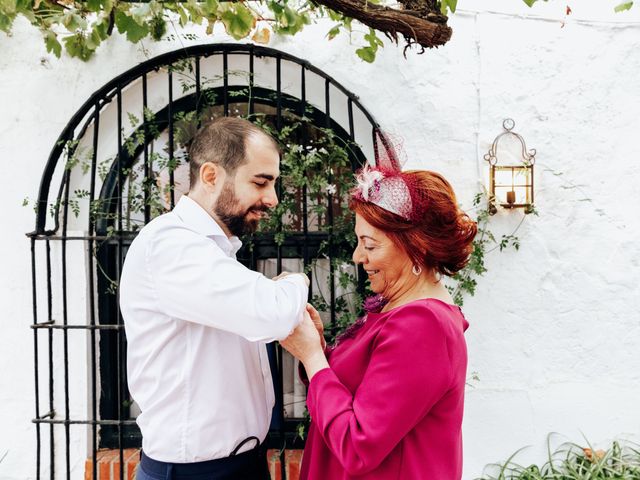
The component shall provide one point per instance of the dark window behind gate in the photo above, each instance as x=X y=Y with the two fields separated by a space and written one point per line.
x=120 y=162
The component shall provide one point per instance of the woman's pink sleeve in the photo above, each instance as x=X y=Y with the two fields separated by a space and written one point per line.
x=409 y=371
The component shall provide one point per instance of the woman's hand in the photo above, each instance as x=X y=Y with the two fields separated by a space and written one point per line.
x=304 y=344
x=317 y=321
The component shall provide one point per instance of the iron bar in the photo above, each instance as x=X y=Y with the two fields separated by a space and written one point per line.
x=78 y=237
x=225 y=80
x=283 y=471
x=146 y=186
x=50 y=338
x=251 y=74
x=43 y=420
x=34 y=294
x=305 y=216
x=198 y=92
x=172 y=195
x=332 y=280
x=65 y=337
x=52 y=326
x=92 y=305
x=119 y=247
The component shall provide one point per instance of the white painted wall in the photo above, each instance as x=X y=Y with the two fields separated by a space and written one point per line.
x=554 y=327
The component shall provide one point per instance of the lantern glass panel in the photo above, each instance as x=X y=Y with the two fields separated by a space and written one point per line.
x=516 y=178
x=503 y=176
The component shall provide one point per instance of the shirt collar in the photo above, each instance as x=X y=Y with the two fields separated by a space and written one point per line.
x=196 y=217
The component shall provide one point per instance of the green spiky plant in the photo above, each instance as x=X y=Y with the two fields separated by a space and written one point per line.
x=571 y=461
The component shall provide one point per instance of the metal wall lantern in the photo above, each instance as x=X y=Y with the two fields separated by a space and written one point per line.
x=511 y=183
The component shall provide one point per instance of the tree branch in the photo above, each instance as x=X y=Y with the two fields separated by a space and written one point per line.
x=427 y=29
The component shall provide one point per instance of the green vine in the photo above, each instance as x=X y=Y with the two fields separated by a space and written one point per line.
x=80 y=27
x=466 y=280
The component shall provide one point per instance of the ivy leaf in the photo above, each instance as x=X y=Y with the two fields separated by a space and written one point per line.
x=195 y=10
x=76 y=46
x=368 y=54
x=52 y=43
x=126 y=24
x=333 y=15
x=140 y=13
x=99 y=32
x=179 y=9
x=450 y=5
x=333 y=32
x=373 y=40
x=210 y=8
x=238 y=20
x=158 y=27
x=8 y=12
x=5 y=22
x=262 y=35
x=623 y=6
x=99 y=5
x=290 y=21
x=73 y=22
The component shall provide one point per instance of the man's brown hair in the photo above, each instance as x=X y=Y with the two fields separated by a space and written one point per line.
x=223 y=142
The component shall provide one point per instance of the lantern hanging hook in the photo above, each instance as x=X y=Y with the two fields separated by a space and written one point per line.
x=528 y=156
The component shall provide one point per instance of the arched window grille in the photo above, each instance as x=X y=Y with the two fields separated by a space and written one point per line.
x=121 y=161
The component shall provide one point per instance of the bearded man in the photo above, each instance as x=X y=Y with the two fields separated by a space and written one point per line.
x=197 y=321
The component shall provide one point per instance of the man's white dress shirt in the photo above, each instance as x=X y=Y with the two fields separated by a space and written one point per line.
x=196 y=322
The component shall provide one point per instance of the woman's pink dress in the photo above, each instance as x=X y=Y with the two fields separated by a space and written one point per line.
x=390 y=406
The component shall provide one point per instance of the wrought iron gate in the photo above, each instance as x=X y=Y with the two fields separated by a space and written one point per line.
x=102 y=182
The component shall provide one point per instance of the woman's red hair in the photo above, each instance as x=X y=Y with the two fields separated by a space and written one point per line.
x=441 y=239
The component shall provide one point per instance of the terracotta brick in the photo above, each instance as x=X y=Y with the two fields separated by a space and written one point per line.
x=293 y=460
x=273 y=457
x=131 y=463
x=105 y=457
x=109 y=464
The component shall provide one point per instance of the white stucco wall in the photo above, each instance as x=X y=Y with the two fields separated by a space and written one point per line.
x=554 y=327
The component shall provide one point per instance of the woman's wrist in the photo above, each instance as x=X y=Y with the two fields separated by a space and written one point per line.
x=314 y=363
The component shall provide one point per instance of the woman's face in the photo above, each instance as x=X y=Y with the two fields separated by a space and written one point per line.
x=388 y=267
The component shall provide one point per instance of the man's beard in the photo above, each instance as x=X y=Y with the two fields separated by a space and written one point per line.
x=232 y=216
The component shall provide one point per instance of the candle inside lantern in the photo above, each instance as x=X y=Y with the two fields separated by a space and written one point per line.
x=511 y=197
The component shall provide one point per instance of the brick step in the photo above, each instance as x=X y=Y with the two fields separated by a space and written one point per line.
x=108 y=467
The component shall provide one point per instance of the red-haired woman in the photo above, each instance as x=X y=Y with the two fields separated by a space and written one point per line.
x=386 y=401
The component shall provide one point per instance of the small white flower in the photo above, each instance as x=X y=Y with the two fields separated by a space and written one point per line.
x=331 y=189
x=323 y=151
x=299 y=148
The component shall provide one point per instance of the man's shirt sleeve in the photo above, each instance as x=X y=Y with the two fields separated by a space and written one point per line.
x=195 y=281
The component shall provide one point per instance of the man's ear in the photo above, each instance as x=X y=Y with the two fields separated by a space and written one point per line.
x=210 y=174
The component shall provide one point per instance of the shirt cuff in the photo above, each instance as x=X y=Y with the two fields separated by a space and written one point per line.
x=301 y=285
x=297 y=279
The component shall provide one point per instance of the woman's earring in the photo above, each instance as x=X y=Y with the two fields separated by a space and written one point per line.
x=416 y=270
